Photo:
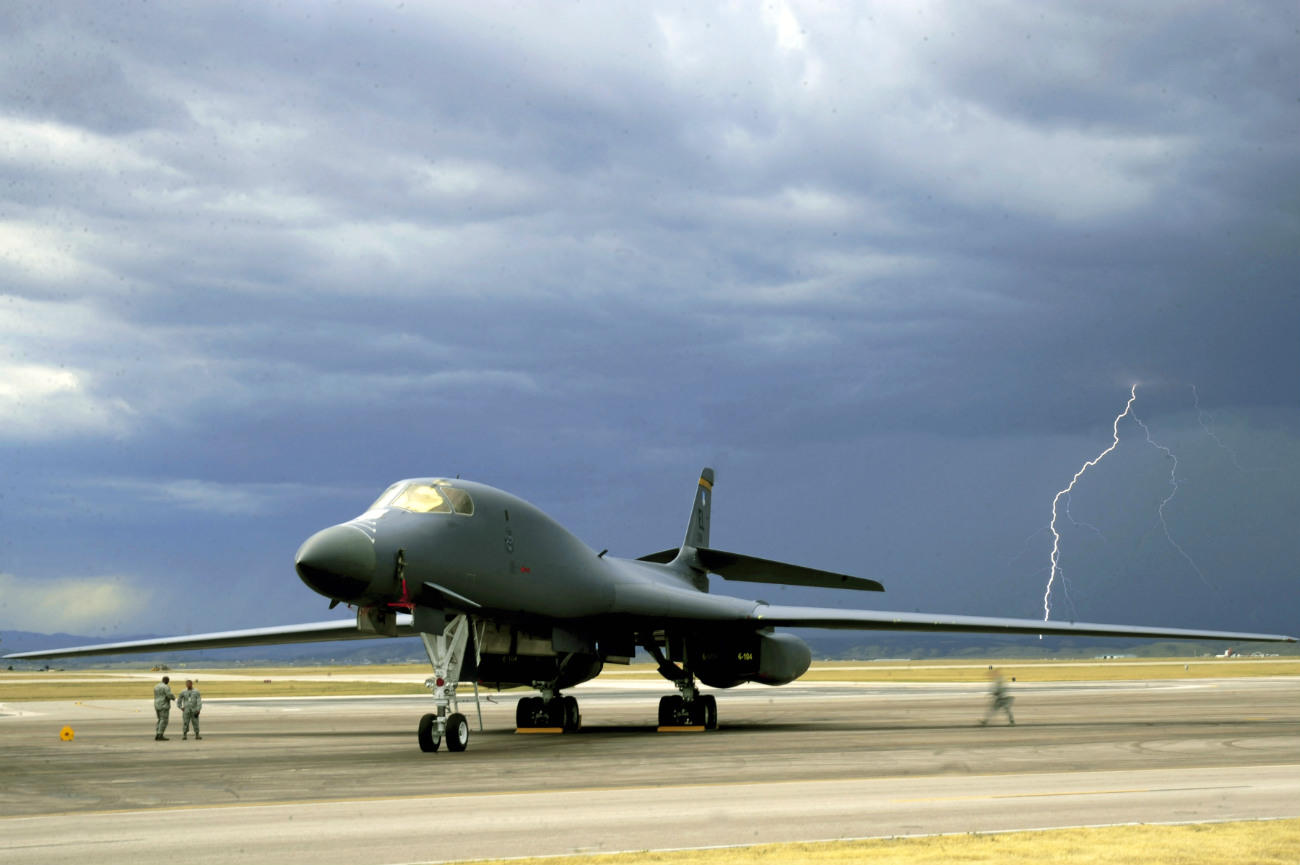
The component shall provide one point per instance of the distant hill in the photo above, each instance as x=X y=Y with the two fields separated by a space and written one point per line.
x=854 y=645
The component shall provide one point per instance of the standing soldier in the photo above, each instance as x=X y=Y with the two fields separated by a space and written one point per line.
x=998 y=698
x=162 y=705
x=189 y=702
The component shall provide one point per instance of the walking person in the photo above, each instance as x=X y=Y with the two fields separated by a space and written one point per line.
x=162 y=706
x=189 y=702
x=998 y=698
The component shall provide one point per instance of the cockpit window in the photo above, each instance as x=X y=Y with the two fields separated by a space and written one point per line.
x=426 y=498
x=386 y=499
x=421 y=499
x=459 y=499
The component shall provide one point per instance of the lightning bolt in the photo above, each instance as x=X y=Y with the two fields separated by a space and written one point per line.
x=1056 y=570
x=1173 y=483
x=1056 y=536
x=1201 y=415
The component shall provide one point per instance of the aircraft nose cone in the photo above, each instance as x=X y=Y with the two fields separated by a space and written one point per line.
x=338 y=562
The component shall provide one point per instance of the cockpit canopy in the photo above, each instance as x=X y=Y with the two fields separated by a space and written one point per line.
x=437 y=496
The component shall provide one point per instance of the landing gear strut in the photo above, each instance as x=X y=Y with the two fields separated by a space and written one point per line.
x=551 y=709
x=689 y=708
x=447 y=655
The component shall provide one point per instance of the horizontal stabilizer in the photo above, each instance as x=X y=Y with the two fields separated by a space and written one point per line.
x=662 y=557
x=749 y=569
x=733 y=566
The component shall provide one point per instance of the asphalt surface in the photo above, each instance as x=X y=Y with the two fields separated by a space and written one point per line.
x=342 y=779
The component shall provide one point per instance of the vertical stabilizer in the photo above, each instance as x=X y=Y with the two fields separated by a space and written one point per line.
x=697 y=533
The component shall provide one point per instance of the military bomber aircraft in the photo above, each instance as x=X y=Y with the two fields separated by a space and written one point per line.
x=502 y=595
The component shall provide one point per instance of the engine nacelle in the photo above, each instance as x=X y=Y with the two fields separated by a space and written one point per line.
x=727 y=660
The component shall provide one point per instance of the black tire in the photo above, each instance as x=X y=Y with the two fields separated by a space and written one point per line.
x=669 y=708
x=457 y=732
x=572 y=718
x=428 y=734
x=709 y=711
x=524 y=713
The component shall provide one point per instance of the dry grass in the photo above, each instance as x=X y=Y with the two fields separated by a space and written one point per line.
x=1273 y=842
x=1118 y=669
x=117 y=684
x=1114 y=669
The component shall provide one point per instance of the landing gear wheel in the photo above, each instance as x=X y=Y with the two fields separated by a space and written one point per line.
x=669 y=710
x=572 y=718
x=708 y=711
x=457 y=732
x=428 y=734
x=524 y=712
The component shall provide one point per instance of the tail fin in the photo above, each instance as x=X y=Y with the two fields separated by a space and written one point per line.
x=697 y=532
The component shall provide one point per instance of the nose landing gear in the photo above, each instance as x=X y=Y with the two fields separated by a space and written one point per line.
x=447 y=655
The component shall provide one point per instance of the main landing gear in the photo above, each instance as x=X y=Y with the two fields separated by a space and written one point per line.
x=447 y=655
x=689 y=708
x=551 y=710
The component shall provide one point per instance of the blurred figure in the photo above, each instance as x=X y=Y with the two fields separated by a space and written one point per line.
x=998 y=698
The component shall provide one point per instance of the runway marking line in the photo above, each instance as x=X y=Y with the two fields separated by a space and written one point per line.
x=633 y=788
x=1075 y=793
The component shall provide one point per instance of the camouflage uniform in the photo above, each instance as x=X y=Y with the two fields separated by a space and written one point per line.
x=999 y=701
x=190 y=702
x=162 y=705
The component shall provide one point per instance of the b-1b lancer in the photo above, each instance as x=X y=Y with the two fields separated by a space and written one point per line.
x=502 y=595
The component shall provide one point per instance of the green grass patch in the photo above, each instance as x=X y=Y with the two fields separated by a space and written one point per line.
x=1272 y=842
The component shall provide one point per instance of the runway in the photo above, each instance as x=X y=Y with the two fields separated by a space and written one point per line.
x=341 y=779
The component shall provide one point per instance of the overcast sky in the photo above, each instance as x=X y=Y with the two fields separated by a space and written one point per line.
x=892 y=269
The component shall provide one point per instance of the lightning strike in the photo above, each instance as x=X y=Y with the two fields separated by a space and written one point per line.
x=1056 y=536
x=1056 y=572
x=1173 y=483
x=1201 y=415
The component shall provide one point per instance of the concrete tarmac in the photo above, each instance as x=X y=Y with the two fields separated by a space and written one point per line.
x=342 y=779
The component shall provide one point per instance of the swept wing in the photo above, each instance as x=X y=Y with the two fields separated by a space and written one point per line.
x=314 y=632
x=884 y=620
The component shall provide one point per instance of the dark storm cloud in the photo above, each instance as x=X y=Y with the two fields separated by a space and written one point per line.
x=258 y=261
